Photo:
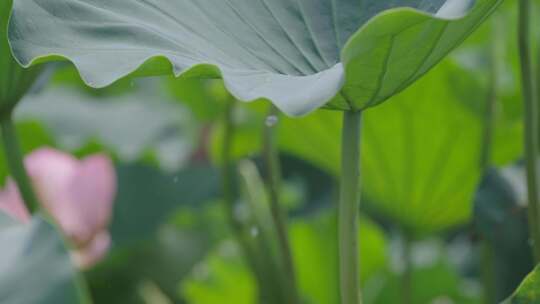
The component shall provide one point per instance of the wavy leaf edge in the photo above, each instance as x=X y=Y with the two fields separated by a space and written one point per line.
x=337 y=73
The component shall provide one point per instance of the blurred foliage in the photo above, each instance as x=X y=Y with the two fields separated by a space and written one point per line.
x=313 y=242
x=35 y=266
x=500 y=218
x=422 y=178
x=438 y=283
x=221 y=278
x=147 y=198
x=32 y=135
x=176 y=246
x=316 y=250
x=529 y=291
x=129 y=125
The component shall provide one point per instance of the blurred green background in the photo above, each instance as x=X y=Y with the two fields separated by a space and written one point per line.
x=443 y=206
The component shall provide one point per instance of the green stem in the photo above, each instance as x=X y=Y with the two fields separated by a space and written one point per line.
x=487 y=272
x=406 y=279
x=487 y=263
x=491 y=99
x=248 y=247
x=530 y=100
x=15 y=163
x=348 y=209
x=227 y=170
x=227 y=176
x=273 y=184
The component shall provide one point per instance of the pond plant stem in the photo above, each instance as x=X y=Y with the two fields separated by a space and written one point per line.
x=228 y=185
x=15 y=163
x=349 y=208
x=406 y=279
x=248 y=248
x=487 y=264
x=530 y=100
x=227 y=170
x=273 y=185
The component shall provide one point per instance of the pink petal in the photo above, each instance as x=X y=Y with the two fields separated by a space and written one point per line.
x=94 y=252
x=12 y=204
x=51 y=172
x=92 y=191
x=78 y=194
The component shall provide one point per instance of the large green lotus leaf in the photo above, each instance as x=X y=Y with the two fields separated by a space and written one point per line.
x=14 y=81
x=297 y=54
x=420 y=156
x=35 y=267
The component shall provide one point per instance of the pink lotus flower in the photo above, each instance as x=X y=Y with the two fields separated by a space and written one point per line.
x=78 y=194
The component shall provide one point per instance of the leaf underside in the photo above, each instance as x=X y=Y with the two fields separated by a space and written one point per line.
x=299 y=54
x=35 y=266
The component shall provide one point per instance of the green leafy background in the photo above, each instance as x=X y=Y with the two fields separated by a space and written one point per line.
x=422 y=179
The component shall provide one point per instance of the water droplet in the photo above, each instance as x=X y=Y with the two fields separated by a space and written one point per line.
x=272 y=120
x=254 y=231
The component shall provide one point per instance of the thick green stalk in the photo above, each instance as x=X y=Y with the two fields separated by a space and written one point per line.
x=348 y=209
x=15 y=163
x=530 y=100
x=273 y=184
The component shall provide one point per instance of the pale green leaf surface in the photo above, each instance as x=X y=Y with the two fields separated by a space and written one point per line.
x=297 y=54
x=35 y=267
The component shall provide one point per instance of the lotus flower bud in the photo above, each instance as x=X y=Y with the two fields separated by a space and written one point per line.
x=78 y=194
